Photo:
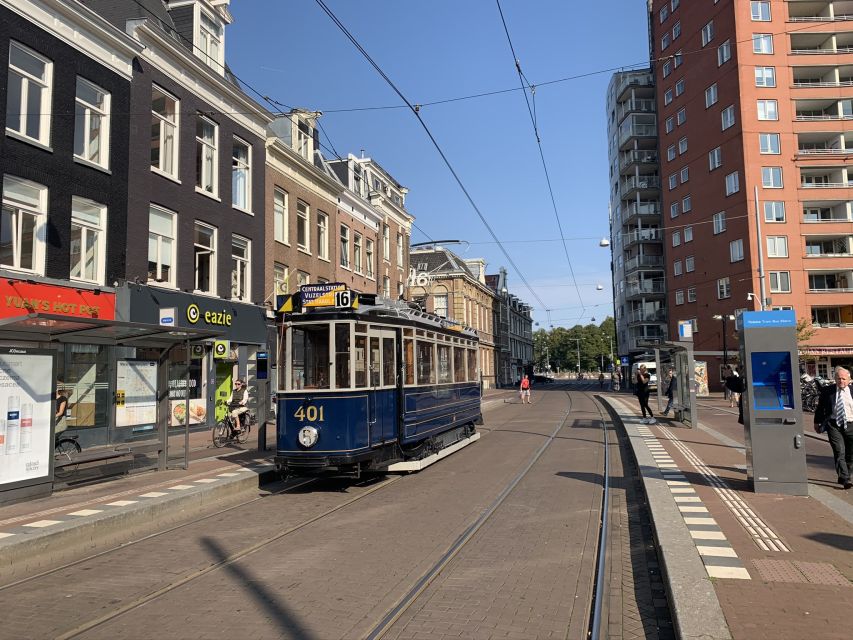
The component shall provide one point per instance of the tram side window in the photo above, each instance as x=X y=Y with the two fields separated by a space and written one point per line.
x=374 y=361
x=426 y=370
x=459 y=364
x=445 y=373
x=472 y=365
x=342 y=356
x=409 y=360
x=310 y=357
x=389 y=378
x=360 y=361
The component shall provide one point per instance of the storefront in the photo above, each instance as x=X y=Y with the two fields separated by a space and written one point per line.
x=240 y=351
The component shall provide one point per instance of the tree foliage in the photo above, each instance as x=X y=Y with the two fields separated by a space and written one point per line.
x=587 y=347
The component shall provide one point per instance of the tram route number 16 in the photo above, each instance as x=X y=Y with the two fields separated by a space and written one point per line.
x=310 y=413
x=343 y=298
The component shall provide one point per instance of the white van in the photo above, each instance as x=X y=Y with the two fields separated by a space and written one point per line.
x=651 y=368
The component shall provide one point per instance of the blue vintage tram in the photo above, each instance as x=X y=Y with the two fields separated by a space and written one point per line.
x=369 y=384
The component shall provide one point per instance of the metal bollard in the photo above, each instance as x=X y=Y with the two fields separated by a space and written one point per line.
x=262 y=436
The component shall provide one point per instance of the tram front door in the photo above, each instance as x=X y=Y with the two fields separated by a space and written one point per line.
x=383 y=383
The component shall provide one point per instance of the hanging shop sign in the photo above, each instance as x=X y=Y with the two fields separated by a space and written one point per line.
x=17 y=298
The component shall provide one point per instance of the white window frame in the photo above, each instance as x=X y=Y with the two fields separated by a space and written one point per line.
x=676 y=238
x=676 y=31
x=399 y=249
x=167 y=133
x=724 y=53
x=18 y=209
x=724 y=288
x=241 y=265
x=686 y=204
x=684 y=175
x=673 y=209
x=667 y=68
x=691 y=294
x=727 y=117
x=210 y=45
x=85 y=114
x=88 y=228
x=211 y=250
x=281 y=215
x=369 y=258
x=677 y=268
x=715 y=158
x=386 y=286
x=679 y=87
x=769 y=177
x=322 y=235
x=777 y=246
x=689 y=264
x=357 y=242
x=766 y=144
x=757 y=11
x=771 y=208
x=707 y=33
x=665 y=41
x=719 y=222
x=669 y=124
x=241 y=201
x=679 y=296
x=682 y=145
x=765 y=106
x=732 y=183
x=765 y=77
x=711 y=95
x=670 y=153
x=681 y=116
x=762 y=43
x=207 y=157
x=303 y=221
x=28 y=83
x=667 y=96
x=688 y=234
x=280 y=278
x=159 y=238
x=386 y=243
x=736 y=250
x=673 y=181
x=782 y=282
x=344 y=257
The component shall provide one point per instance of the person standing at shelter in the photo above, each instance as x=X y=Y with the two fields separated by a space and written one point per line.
x=670 y=390
x=524 y=390
x=641 y=383
x=834 y=416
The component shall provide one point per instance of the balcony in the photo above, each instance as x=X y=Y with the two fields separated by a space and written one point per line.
x=643 y=235
x=828 y=246
x=840 y=317
x=817 y=212
x=820 y=11
x=643 y=289
x=822 y=110
x=638 y=316
x=635 y=105
x=637 y=156
x=637 y=343
x=644 y=208
x=828 y=282
x=643 y=262
x=632 y=183
x=821 y=43
x=823 y=76
x=637 y=126
x=635 y=81
x=824 y=178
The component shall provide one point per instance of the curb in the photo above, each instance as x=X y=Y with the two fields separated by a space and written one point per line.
x=30 y=550
x=696 y=610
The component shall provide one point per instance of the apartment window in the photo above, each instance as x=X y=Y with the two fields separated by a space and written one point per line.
x=673 y=210
x=280 y=278
x=164 y=132
x=28 y=94
x=241 y=268
x=667 y=96
x=400 y=250
x=304 y=140
x=777 y=246
x=669 y=124
x=691 y=294
x=715 y=158
x=280 y=215
x=689 y=264
x=774 y=211
x=684 y=175
x=241 y=175
x=344 y=247
x=667 y=68
x=676 y=238
x=663 y=14
x=210 y=41
x=204 y=248
x=767 y=110
x=759 y=11
x=302 y=278
x=724 y=289
x=92 y=123
x=386 y=242
x=732 y=183
x=719 y=222
x=686 y=204
x=356 y=252
x=707 y=33
x=670 y=153
x=677 y=59
x=711 y=95
x=688 y=234
x=676 y=268
x=386 y=286
x=676 y=30
x=736 y=250
x=679 y=296
x=682 y=146
x=22 y=225
x=771 y=177
x=769 y=143
x=88 y=239
x=728 y=117
x=765 y=76
x=762 y=43
x=674 y=4
x=368 y=257
x=724 y=53
x=161 y=245
x=303 y=225
x=780 y=282
x=206 y=161
x=681 y=116
x=673 y=181
x=322 y=235
x=679 y=87
x=665 y=41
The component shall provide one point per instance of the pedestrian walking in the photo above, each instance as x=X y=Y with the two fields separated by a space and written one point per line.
x=601 y=380
x=734 y=385
x=670 y=390
x=641 y=385
x=524 y=390
x=834 y=416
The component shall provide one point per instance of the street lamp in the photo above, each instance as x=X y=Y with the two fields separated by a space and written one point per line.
x=578 y=340
x=723 y=319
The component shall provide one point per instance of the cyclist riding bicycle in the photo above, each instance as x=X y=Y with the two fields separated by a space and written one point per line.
x=237 y=403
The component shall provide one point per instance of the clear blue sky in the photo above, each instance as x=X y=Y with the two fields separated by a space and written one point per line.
x=291 y=51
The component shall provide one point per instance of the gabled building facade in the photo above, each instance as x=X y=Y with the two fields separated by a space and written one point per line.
x=513 y=332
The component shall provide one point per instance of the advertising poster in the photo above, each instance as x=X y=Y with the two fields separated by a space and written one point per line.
x=700 y=375
x=26 y=414
x=136 y=393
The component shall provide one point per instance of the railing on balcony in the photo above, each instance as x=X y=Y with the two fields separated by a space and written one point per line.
x=823 y=151
x=831 y=290
x=636 y=105
x=800 y=84
x=818 y=51
x=822 y=116
x=642 y=156
x=641 y=208
x=646 y=80
x=644 y=288
x=643 y=261
x=643 y=235
x=637 y=342
x=840 y=18
x=640 y=182
x=647 y=316
x=826 y=185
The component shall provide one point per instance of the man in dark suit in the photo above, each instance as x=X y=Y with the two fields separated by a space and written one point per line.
x=834 y=415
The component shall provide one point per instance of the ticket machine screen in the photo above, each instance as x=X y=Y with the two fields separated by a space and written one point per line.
x=772 y=384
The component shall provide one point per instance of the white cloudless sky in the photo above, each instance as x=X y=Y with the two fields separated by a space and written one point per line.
x=291 y=51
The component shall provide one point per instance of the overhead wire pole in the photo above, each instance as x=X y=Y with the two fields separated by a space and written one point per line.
x=416 y=111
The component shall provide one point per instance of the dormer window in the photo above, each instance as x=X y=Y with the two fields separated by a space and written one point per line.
x=304 y=140
x=210 y=33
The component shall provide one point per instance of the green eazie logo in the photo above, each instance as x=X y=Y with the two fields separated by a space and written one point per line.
x=193 y=313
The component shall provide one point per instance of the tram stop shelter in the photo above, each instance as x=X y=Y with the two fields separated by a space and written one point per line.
x=679 y=355
x=125 y=369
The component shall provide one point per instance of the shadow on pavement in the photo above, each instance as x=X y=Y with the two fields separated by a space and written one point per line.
x=584 y=476
x=837 y=540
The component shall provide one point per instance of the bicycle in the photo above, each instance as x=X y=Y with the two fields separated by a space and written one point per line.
x=65 y=447
x=225 y=430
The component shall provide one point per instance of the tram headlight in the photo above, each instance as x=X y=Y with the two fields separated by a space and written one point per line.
x=308 y=437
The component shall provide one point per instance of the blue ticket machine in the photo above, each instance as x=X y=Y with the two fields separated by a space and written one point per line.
x=772 y=411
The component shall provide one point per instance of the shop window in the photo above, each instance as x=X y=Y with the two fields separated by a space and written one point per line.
x=183 y=387
x=22 y=225
x=88 y=237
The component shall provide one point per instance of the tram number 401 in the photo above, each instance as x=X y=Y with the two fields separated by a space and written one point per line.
x=310 y=413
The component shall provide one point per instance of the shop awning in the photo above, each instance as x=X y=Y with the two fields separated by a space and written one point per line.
x=45 y=327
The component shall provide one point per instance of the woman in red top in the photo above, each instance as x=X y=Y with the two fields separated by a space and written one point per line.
x=525 y=390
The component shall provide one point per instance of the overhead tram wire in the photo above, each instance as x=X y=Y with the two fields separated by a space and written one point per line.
x=525 y=84
x=438 y=148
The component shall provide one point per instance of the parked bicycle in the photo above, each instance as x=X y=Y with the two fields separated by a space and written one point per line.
x=226 y=430
x=65 y=447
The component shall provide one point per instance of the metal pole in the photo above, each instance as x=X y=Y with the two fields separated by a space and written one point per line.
x=725 y=350
x=762 y=290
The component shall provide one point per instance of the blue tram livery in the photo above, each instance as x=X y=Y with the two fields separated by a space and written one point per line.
x=367 y=384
